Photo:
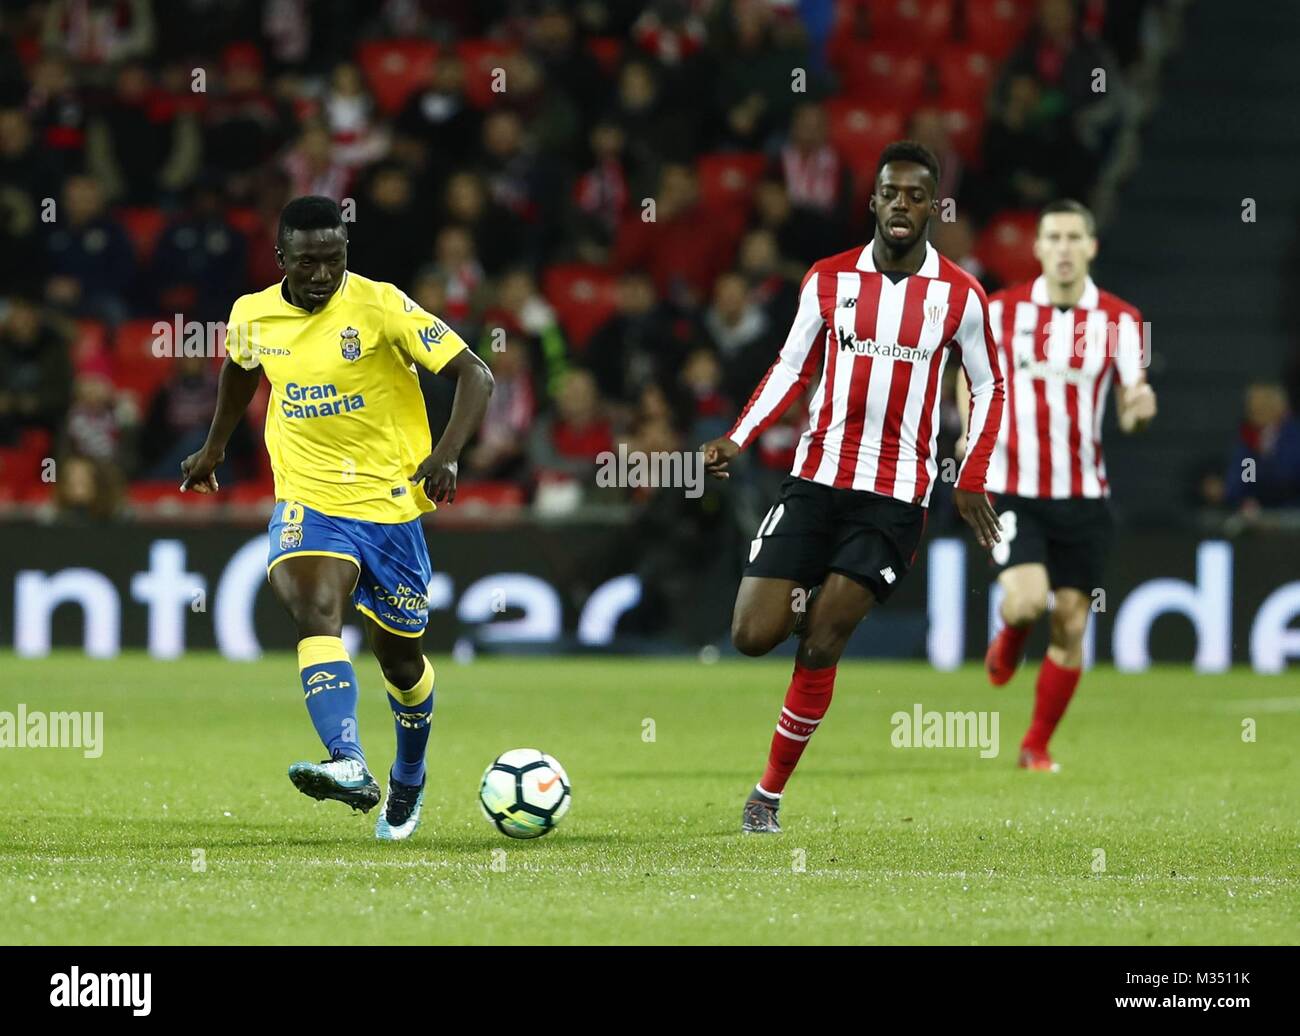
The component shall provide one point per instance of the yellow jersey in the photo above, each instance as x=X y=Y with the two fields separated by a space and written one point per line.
x=346 y=427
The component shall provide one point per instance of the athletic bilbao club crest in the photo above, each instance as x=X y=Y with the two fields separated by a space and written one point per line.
x=350 y=343
x=935 y=313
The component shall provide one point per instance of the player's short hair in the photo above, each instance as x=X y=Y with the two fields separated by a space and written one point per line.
x=909 y=151
x=1071 y=206
x=310 y=212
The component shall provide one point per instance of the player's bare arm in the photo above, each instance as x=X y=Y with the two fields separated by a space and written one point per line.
x=978 y=513
x=474 y=385
x=1137 y=406
x=235 y=389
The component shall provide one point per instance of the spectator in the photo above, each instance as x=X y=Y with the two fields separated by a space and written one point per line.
x=87 y=490
x=90 y=258
x=520 y=310
x=35 y=371
x=312 y=166
x=462 y=275
x=200 y=263
x=143 y=145
x=565 y=445
x=711 y=410
x=349 y=116
x=1265 y=466
x=243 y=126
x=436 y=121
x=684 y=247
x=817 y=181
x=601 y=194
x=380 y=243
x=27 y=176
x=58 y=112
x=465 y=202
x=100 y=428
x=501 y=450
x=740 y=332
x=641 y=342
x=1030 y=157
x=773 y=281
x=178 y=419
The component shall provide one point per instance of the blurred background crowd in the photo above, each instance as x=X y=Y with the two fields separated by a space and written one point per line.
x=497 y=160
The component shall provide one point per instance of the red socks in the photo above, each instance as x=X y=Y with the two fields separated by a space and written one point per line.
x=806 y=703
x=1011 y=645
x=1052 y=694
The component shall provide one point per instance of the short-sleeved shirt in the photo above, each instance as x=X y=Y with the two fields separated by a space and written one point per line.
x=346 y=426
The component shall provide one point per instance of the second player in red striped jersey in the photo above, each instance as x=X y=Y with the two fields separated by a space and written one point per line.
x=1062 y=341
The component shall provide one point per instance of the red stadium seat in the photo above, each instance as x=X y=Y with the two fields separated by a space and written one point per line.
x=21 y=465
x=490 y=494
x=136 y=368
x=394 y=69
x=919 y=24
x=997 y=26
x=965 y=126
x=143 y=225
x=1006 y=247
x=882 y=72
x=608 y=51
x=727 y=180
x=90 y=347
x=247 y=221
x=481 y=58
x=965 y=74
x=860 y=132
x=584 y=297
x=252 y=494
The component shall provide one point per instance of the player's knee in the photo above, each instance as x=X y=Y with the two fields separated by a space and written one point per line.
x=317 y=615
x=1021 y=609
x=402 y=673
x=824 y=644
x=752 y=638
x=1068 y=626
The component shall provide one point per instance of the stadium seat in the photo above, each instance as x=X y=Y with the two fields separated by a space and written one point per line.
x=20 y=465
x=394 y=69
x=90 y=346
x=1005 y=247
x=883 y=72
x=247 y=221
x=965 y=125
x=860 y=132
x=143 y=225
x=918 y=24
x=727 y=179
x=997 y=26
x=608 y=51
x=135 y=367
x=965 y=73
x=490 y=494
x=480 y=57
x=584 y=297
x=259 y=493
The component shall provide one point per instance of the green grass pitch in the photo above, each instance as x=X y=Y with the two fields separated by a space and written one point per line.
x=187 y=830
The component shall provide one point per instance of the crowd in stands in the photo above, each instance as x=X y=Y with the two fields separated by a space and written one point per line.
x=614 y=203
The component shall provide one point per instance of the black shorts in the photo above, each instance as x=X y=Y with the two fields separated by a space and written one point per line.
x=814 y=529
x=1071 y=537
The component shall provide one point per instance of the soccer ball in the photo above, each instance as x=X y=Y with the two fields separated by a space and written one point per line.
x=525 y=793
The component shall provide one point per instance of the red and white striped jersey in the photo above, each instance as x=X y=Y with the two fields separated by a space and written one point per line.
x=1058 y=365
x=881 y=347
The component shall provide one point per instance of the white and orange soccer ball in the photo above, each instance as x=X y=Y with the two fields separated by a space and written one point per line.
x=525 y=793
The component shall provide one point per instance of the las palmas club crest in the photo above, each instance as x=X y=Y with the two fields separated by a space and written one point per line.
x=350 y=343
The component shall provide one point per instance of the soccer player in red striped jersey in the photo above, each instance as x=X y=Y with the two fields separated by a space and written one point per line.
x=878 y=322
x=1061 y=341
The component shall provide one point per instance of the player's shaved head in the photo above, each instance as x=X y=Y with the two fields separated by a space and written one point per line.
x=310 y=212
x=1072 y=207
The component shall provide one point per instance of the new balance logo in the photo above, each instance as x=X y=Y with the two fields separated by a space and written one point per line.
x=887 y=574
x=848 y=303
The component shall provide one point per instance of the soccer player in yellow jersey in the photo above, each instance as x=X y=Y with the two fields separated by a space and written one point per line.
x=354 y=469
